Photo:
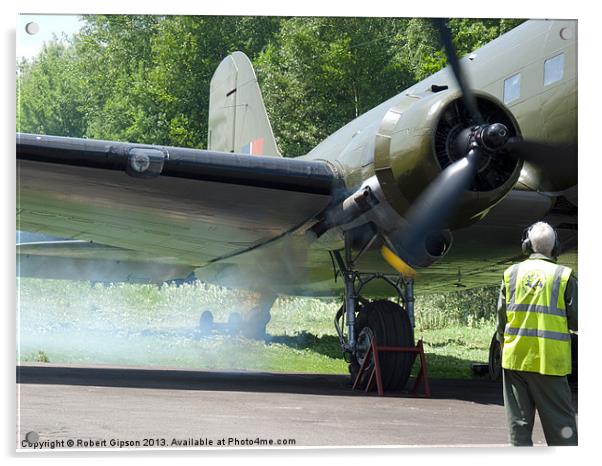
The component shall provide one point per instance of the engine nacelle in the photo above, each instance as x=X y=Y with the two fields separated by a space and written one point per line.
x=422 y=136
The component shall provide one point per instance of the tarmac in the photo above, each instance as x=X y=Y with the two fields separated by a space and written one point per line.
x=64 y=407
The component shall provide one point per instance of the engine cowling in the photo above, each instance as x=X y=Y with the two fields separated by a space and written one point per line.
x=419 y=138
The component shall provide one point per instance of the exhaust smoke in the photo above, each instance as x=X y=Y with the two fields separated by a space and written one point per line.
x=67 y=322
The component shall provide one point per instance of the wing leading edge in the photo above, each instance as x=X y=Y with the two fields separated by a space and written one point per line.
x=314 y=177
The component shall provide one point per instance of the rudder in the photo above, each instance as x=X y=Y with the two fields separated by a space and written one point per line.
x=238 y=121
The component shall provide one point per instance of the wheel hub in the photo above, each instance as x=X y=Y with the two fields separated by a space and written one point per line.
x=364 y=340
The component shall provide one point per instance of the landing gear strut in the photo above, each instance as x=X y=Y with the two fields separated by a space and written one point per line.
x=390 y=323
x=254 y=324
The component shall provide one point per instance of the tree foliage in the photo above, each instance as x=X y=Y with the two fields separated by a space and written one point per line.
x=51 y=93
x=146 y=78
x=320 y=73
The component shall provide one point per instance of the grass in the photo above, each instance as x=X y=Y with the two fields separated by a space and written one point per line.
x=450 y=351
x=74 y=322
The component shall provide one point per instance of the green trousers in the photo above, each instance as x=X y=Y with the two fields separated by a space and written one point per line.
x=550 y=395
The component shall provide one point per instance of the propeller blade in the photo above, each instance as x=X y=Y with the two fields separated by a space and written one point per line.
x=555 y=164
x=435 y=206
x=397 y=262
x=452 y=58
x=544 y=154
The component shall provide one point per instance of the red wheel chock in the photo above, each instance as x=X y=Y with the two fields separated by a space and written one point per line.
x=376 y=376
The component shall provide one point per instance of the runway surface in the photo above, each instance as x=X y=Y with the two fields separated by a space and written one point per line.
x=103 y=407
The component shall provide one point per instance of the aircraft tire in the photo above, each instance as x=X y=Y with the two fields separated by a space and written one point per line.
x=495 y=359
x=391 y=326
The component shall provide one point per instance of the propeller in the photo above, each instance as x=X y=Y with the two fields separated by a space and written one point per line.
x=433 y=209
x=452 y=58
x=558 y=162
x=435 y=205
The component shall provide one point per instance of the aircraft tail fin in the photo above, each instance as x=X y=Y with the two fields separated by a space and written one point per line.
x=238 y=121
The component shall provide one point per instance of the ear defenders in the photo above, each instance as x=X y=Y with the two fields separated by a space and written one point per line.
x=527 y=247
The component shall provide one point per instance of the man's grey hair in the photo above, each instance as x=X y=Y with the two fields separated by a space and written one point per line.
x=542 y=238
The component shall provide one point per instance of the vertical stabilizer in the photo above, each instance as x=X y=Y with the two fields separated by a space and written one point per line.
x=238 y=121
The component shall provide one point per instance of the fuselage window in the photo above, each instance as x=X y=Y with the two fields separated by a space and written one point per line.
x=553 y=69
x=512 y=88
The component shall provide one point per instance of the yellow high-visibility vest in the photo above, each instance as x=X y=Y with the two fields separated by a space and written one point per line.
x=536 y=337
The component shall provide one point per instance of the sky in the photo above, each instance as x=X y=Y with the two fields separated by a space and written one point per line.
x=49 y=26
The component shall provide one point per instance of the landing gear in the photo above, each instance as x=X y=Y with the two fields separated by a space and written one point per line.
x=251 y=325
x=207 y=325
x=390 y=323
x=255 y=322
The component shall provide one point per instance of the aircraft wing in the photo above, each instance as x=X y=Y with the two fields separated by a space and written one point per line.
x=178 y=209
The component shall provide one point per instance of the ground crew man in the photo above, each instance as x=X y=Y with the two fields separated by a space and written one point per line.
x=536 y=308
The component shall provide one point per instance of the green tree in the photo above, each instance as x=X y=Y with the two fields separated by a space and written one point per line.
x=418 y=49
x=186 y=53
x=320 y=73
x=146 y=78
x=51 y=92
x=115 y=59
x=150 y=75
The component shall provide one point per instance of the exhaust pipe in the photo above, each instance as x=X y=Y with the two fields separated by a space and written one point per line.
x=352 y=207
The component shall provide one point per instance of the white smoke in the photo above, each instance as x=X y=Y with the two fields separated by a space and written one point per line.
x=69 y=322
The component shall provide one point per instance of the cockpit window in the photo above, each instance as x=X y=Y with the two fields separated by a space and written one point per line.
x=553 y=69
x=512 y=88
